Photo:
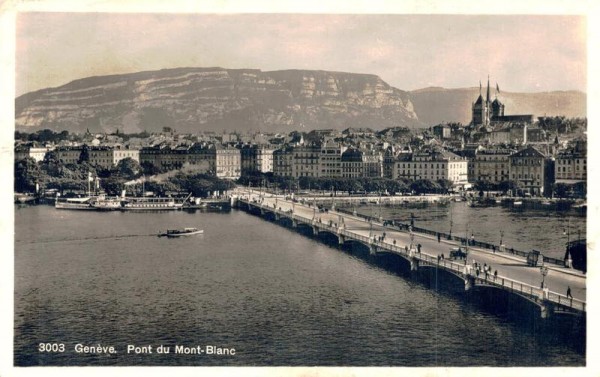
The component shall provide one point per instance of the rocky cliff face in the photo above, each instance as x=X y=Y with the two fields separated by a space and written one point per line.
x=194 y=99
x=437 y=105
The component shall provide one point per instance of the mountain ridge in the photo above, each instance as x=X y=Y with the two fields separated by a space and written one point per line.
x=192 y=99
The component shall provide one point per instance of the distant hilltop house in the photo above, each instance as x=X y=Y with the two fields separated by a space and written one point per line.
x=487 y=112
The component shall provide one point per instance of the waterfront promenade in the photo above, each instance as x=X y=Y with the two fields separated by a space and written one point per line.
x=513 y=273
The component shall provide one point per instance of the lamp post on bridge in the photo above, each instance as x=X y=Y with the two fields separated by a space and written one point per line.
x=451 y=223
x=466 y=243
x=544 y=272
x=567 y=231
x=379 y=203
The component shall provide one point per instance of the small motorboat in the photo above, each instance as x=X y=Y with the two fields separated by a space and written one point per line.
x=172 y=233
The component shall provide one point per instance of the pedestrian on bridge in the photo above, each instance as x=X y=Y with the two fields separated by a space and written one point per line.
x=439 y=237
x=569 y=292
x=495 y=275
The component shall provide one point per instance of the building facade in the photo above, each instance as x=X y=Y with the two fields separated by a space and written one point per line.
x=228 y=162
x=330 y=159
x=283 y=162
x=37 y=153
x=571 y=164
x=490 y=165
x=123 y=153
x=306 y=161
x=257 y=158
x=433 y=165
x=527 y=169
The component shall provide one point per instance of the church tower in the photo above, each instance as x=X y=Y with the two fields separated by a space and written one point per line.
x=485 y=111
x=482 y=108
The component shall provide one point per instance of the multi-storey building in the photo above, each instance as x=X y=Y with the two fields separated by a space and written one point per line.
x=351 y=163
x=571 y=164
x=442 y=131
x=257 y=158
x=228 y=162
x=527 y=168
x=68 y=155
x=223 y=162
x=389 y=161
x=372 y=164
x=165 y=157
x=509 y=133
x=490 y=165
x=432 y=165
x=101 y=156
x=283 y=162
x=330 y=159
x=306 y=161
x=123 y=153
x=37 y=153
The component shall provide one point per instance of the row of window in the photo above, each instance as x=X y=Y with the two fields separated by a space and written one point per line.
x=568 y=161
x=525 y=176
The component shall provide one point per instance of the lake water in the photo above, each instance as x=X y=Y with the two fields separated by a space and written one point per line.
x=274 y=295
x=524 y=230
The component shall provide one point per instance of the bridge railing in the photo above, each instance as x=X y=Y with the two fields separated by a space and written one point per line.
x=464 y=241
x=563 y=300
x=534 y=293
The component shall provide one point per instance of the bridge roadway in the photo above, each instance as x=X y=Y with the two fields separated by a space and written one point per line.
x=510 y=268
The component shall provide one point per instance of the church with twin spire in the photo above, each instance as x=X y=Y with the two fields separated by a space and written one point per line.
x=487 y=112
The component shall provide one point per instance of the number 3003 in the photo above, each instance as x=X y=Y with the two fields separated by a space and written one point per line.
x=51 y=347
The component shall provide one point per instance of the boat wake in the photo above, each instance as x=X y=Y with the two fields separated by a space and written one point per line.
x=113 y=237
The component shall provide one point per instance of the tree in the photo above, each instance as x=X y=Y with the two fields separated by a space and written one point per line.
x=580 y=189
x=149 y=168
x=128 y=168
x=85 y=154
x=561 y=190
x=506 y=186
x=354 y=186
x=423 y=186
x=27 y=174
x=445 y=185
x=113 y=185
x=287 y=183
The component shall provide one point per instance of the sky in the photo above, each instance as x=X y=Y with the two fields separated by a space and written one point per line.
x=521 y=53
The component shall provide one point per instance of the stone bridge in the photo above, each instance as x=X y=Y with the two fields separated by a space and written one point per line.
x=550 y=303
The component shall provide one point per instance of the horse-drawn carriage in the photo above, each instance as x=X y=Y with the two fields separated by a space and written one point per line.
x=458 y=253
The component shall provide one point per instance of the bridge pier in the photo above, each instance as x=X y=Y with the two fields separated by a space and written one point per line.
x=341 y=239
x=545 y=310
x=262 y=212
x=372 y=249
x=469 y=282
x=414 y=264
x=315 y=230
x=294 y=223
x=277 y=216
